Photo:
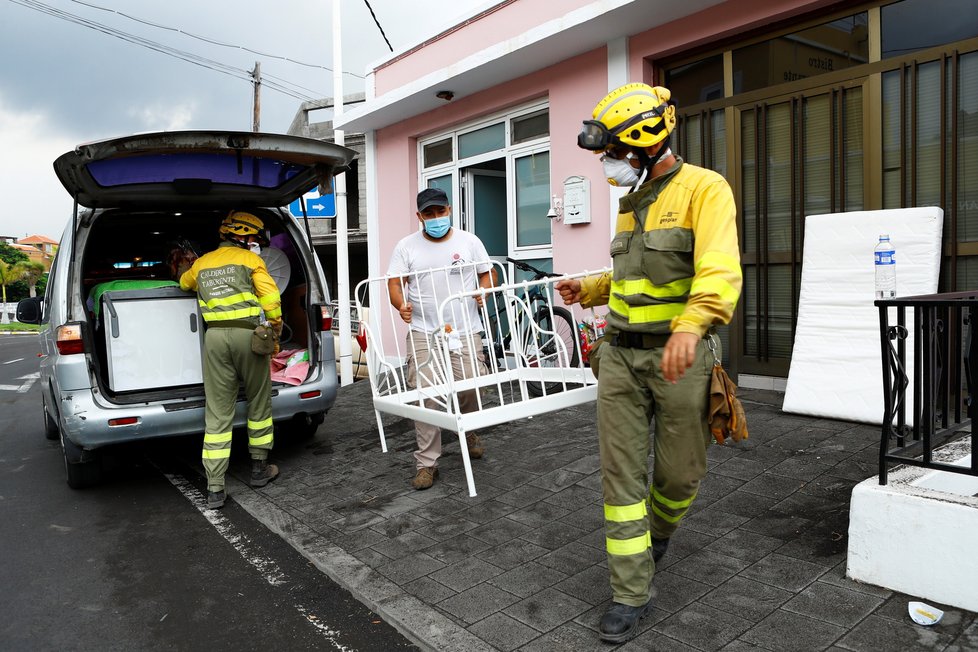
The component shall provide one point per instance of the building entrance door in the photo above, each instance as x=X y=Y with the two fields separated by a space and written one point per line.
x=485 y=210
x=799 y=155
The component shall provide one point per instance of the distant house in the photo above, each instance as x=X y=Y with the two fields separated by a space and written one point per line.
x=38 y=248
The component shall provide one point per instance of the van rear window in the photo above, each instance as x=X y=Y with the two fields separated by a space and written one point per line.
x=218 y=168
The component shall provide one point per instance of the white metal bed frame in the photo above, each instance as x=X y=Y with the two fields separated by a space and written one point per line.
x=560 y=383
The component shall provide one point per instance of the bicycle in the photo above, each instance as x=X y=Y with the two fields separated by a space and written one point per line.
x=548 y=333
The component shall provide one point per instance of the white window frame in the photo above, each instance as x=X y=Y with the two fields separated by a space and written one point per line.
x=509 y=152
x=442 y=170
x=525 y=252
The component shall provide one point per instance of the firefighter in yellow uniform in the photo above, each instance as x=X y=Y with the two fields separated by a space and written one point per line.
x=233 y=288
x=676 y=273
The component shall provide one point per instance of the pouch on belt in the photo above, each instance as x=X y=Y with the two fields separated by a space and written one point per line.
x=263 y=340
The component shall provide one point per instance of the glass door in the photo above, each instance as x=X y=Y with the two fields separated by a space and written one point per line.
x=485 y=210
x=800 y=155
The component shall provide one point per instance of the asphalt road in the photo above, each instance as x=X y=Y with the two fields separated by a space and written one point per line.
x=136 y=563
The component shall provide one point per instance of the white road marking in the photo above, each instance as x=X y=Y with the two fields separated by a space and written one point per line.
x=323 y=628
x=13 y=361
x=24 y=387
x=29 y=380
x=267 y=567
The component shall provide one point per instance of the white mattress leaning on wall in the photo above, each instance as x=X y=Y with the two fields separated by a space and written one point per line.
x=836 y=366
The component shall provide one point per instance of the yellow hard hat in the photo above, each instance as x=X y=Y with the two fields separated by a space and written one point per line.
x=241 y=223
x=636 y=115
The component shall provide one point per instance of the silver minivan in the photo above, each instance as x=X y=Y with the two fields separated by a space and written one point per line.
x=121 y=343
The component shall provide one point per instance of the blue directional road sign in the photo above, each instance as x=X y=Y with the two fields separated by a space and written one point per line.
x=316 y=205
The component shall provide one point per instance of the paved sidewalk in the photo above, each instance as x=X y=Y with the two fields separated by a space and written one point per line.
x=758 y=564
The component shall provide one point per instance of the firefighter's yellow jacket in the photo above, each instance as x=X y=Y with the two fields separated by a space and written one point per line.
x=676 y=257
x=233 y=287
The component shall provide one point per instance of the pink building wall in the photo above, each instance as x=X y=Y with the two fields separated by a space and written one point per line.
x=572 y=88
x=577 y=85
x=505 y=20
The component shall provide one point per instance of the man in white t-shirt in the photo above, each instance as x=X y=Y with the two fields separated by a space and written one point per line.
x=429 y=266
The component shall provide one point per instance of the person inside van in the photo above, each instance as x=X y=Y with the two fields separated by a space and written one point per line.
x=234 y=287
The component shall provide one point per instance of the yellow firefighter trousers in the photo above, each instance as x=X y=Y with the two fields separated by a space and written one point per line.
x=631 y=390
x=228 y=361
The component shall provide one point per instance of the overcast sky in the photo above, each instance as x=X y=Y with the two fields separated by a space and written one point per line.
x=62 y=83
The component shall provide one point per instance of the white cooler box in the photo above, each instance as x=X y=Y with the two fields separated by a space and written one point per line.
x=153 y=338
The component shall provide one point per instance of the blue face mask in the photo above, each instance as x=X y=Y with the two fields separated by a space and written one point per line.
x=437 y=227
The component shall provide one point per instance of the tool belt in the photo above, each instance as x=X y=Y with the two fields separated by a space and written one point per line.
x=233 y=323
x=629 y=340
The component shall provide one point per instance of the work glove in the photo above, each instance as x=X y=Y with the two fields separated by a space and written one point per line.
x=726 y=413
x=277 y=328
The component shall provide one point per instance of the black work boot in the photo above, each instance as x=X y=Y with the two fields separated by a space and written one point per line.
x=215 y=499
x=262 y=473
x=659 y=547
x=620 y=622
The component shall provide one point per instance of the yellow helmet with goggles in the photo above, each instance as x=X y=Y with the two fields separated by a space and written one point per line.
x=634 y=115
x=240 y=224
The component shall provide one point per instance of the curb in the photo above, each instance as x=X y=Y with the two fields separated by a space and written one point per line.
x=416 y=620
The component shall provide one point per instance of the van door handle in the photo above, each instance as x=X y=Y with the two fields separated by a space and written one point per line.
x=115 y=316
x=193 y=322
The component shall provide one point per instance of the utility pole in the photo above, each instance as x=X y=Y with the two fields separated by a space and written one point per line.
x=256 y=110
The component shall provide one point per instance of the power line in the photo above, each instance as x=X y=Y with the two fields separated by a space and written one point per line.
x=215 y=42
x=281 y=85
x=377 y=22
x=265 y=75
x=186 y=56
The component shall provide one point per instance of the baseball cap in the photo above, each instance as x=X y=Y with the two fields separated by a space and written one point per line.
x=431 y=197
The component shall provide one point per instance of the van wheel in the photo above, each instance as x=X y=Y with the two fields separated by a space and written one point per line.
x=83 y=469
x=304 y=426
x=50 y=426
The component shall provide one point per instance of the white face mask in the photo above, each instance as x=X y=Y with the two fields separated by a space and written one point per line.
x=619 y=171
x=255 y=247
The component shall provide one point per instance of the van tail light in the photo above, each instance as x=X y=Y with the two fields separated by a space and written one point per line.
x=325 y=319
x=313 y=394
x=69 y=339
x=124 y=421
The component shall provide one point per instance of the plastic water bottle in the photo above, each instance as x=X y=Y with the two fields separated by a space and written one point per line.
x=885 y=268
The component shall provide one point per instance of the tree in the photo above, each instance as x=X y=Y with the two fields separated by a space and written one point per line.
x=42 y=284
x=9 y=273
x=33 y=271
x=10 y=255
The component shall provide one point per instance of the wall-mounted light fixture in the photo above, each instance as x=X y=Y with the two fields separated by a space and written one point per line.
x=448 y=96
x=556 y=208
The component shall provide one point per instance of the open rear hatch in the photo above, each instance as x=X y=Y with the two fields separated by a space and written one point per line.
x=199 y=169
x=160 y=186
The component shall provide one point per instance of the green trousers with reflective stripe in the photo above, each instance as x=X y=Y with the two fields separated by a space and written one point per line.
x=229 y=362
x=631 y=391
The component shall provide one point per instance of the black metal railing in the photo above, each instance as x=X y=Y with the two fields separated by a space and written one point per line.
x=945 y=369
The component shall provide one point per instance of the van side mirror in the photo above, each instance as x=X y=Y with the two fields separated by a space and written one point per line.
x=29 y=310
